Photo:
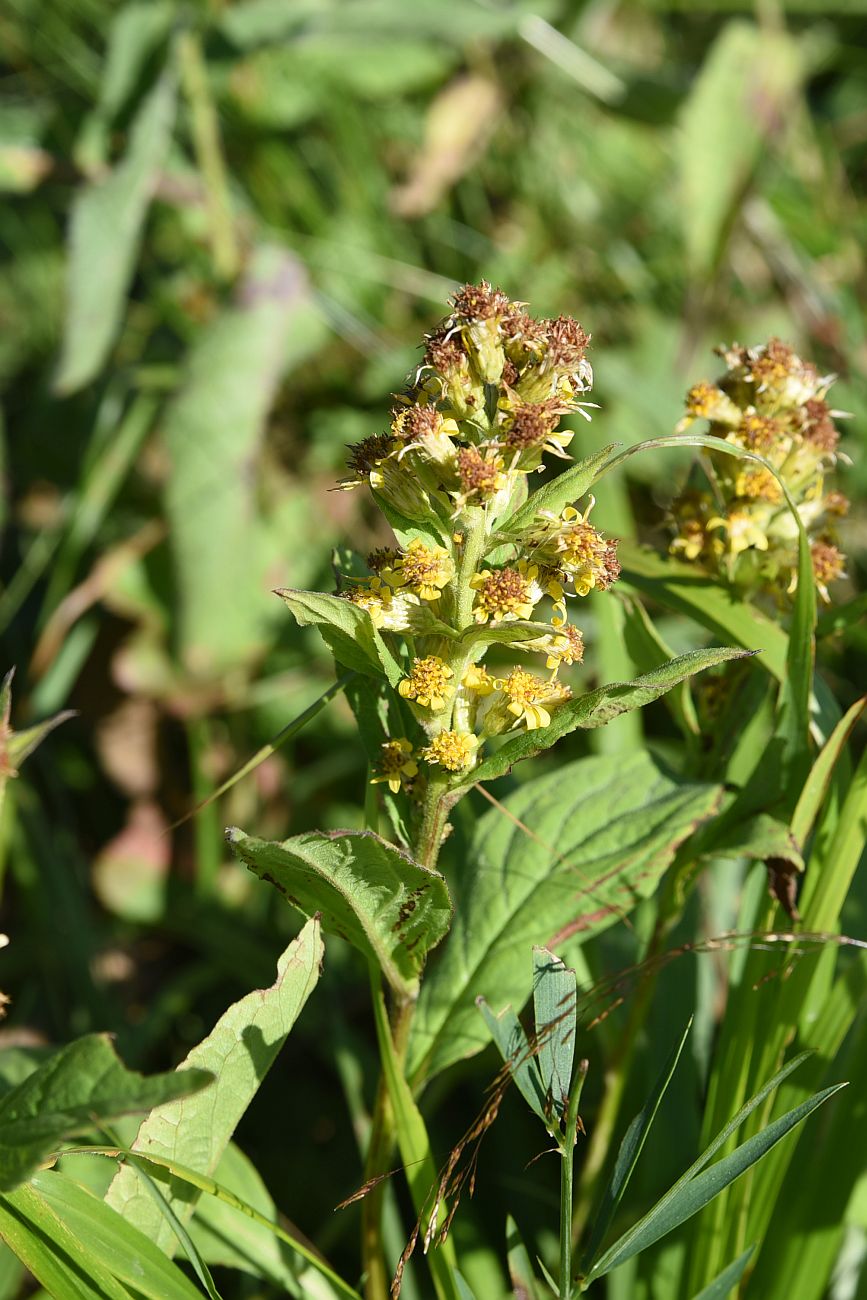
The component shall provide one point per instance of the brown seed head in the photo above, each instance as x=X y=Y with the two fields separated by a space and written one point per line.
x=480 y=302
x=567 y=343
x=532 y=422
x=477 y=474
x=818 y=428
x=370 y=452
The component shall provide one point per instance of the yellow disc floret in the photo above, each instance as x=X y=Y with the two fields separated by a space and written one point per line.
x=423 y=569
x=453 y=750
x=427 y=684
x=506 y=594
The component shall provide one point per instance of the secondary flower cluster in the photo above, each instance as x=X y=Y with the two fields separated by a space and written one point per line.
x=478 y=419
x=770 y=402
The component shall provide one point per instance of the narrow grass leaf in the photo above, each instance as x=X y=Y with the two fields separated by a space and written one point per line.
x=698 y=1185
x=816 y=786
x=107 y=220
x=163 y=1169
x=367 y=891
x=113 y=1242
x=52 y=1251
x=520 y=1267
x=628 y=1154
x=240 y=1050
x=555 y=1011
x=725 y=1282
x=514 y=1047
x=562 y=858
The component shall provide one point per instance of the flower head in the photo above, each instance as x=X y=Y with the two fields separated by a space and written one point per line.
x=453 y=750
x=396 y=764
x=527 y=695
x=504 y=595
x=422 y=569
x=428 y=683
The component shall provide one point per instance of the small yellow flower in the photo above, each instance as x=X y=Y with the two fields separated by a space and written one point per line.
x=743 y=532
x=423 y=569
x=566 y=647
x=758 y=483
x=828 y=565
x=396 y=764
x=453 y=750
x=478 y=679
x=707 y=402
x=390 y=611
x=505 y=595
x=527 y=696
x=427 y=684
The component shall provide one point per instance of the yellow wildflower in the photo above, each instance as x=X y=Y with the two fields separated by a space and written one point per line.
x=453 y=750
x=527 y=696
x=506 y=594
x=424 y=569
x=478 y=679
x=396 y=764
x=427 y=684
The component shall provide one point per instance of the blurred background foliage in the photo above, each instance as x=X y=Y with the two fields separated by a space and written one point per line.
x=224 y=229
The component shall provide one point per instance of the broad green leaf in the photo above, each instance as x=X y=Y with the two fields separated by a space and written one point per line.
x=348 y=630
x=504 y=633
x=726 y=1281
x=555 y=1013
x=739 y=99
x=76 y=1087
x=462 y=1287
x=52 y=1252
x=115 y=1244
x=699 y=1185
x=599 y=707
x=233 y=1240
x=569 y=853
x=760 y=838
x=628 y=1154
x=560 y=492
x=511 y=1042
x=222 y=545
x=686 y=590
x=107 y=220
x=647 y=650
x=389 y=907
x=239 y=1050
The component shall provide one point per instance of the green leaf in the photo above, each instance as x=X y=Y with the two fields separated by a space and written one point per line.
x=725 y=1282
x=107 y=220
x=560 y=492
x=520 y=1268
x=647 y=650
x=741 y=95
x=684 y=589
x=224 y=548
x=77 y=1087
x=628 y=1154
x=239 y=1050
x=699 y=1185
x=389 y=907
x=758 y=838
x=118 y=1247
x=228 y=1238
x=816 y=786
x=511 y=1042
x=568 y=854
x=555 y=1012
x=348 y=630
x=52 y=1252
x=597 y=708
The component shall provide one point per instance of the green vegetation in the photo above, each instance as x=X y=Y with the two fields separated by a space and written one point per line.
x=640 y=957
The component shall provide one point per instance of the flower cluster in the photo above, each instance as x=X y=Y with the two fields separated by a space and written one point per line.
x=479 y=418
x=772 y=403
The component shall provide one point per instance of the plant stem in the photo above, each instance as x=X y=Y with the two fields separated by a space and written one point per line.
x=206 y=140
x=566 y=1181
